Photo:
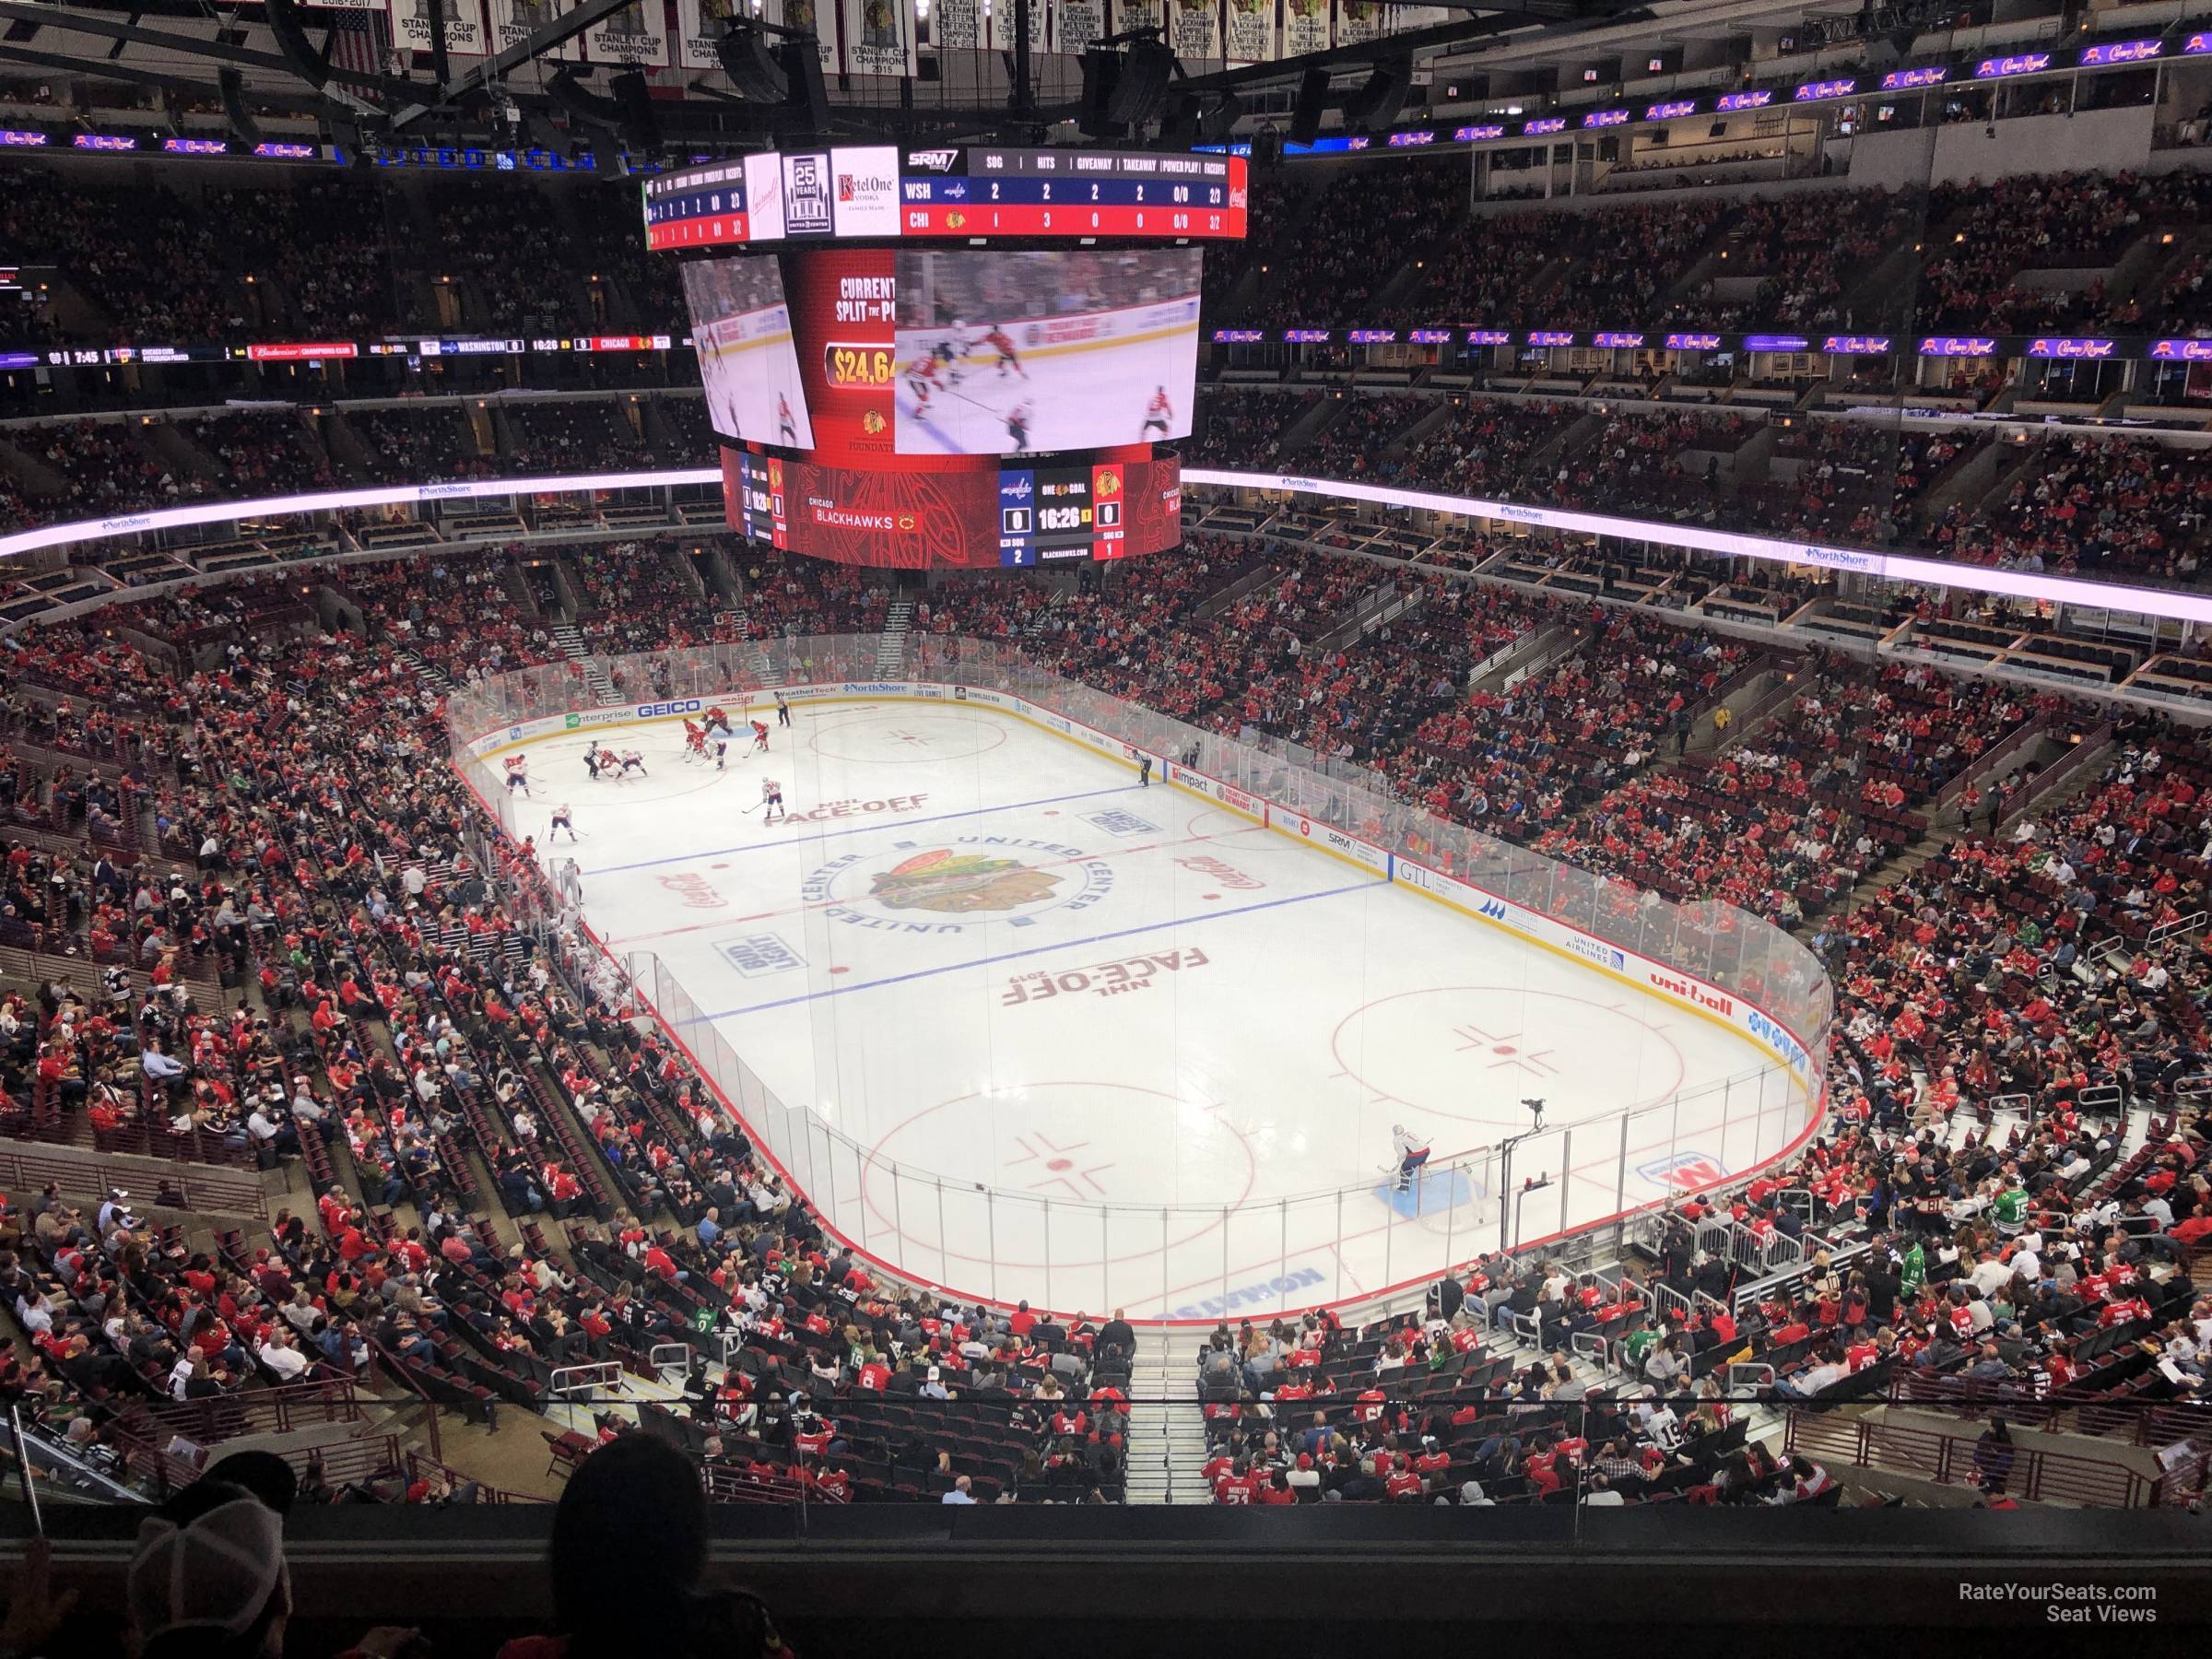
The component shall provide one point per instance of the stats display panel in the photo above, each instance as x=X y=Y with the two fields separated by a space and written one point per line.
x=1094 y=508
x=877 y=192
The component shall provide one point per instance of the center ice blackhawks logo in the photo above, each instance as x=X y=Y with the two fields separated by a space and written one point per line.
x=980 y=878
x=959 y=883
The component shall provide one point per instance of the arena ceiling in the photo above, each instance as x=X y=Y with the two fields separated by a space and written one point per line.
x=285 y=55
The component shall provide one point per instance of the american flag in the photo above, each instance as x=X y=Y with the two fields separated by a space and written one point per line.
x=358 y=41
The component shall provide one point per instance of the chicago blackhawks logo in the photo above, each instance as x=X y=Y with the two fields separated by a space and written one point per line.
x=979 y=879
x=958 y=884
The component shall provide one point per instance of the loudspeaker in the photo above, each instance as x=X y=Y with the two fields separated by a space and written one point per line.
x=286 y=23
x=1378 y=101
x=806 y=113
x=1217 y=115
x=1143 y=83
x=1102 y=74
x=633 y=101
x=747 y=59
x=1199 y=118
x=233 y=84
x=1313 y=99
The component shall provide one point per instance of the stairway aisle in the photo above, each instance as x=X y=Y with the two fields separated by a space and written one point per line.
x=890 y=648
x=1167 y=1429
x=570 y=641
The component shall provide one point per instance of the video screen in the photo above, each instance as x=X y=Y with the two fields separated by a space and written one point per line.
x=1009 y=353
x=741 y=325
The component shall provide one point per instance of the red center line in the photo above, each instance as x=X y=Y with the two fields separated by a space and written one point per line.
x=816 y=904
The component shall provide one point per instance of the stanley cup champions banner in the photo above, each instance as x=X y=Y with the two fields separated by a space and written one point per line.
x=513 y=20
x=463 y=26
x=698 y=24
x=636 y=36
x=880 y=36
x=815 y=18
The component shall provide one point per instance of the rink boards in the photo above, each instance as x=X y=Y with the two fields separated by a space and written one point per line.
x=1773 y=1040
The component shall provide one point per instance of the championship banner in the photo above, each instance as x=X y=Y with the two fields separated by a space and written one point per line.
x=511 y=21
x=1138 y=14
x=954 y=25
x=1001 y=25
x=700 y=23
x=463 y=26
x=880 y=36
x=1358 y=21
x=1076 y=24
x=1305 y=26
x=1250 y=38
x=808 y=15
x=636 y=36
x=1195 y=28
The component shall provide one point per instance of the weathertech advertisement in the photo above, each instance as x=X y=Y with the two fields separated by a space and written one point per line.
x=746 y=360
x=1016 y=354
x=1096 y=507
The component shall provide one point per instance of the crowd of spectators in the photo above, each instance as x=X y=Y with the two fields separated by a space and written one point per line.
x=574 y=435
x=1515 y=762
x=317 y=848
x=1986 y=234
x=2084 y=504
x=259 y=454
x=1246 y=428
x=634 y=596
x=1785 y=824
x=426 y=445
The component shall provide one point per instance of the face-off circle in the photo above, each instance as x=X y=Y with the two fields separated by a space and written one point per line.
x=1468 y=1053
x=1072 y=1142
x=895 y=738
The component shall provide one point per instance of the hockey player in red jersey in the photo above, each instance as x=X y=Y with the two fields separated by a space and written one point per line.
x=1159 y=411
x=1000 y=341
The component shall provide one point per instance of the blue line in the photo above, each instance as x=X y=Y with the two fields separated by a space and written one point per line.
x=904 y=823
x=899 y=979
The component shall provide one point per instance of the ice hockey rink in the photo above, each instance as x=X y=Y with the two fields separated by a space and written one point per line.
x=1101 y=1045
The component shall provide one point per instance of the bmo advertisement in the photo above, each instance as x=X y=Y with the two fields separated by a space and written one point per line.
x=916 y=406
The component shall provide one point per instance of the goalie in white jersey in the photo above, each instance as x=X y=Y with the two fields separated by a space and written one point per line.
x=1413 y=1152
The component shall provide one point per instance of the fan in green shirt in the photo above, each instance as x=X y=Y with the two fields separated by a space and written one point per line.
x=1913 y=1273
x=2010 y=1206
